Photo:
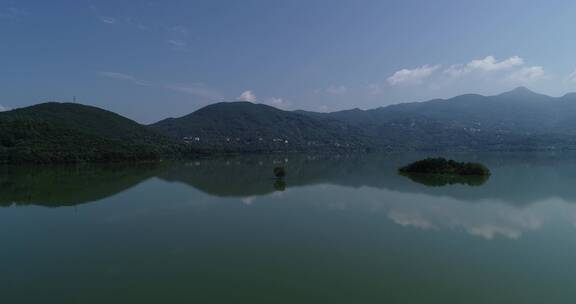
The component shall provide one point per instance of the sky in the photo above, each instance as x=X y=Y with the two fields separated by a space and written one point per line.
x=149 y=60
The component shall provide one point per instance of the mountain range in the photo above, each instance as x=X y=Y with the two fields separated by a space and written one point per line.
x=516 y=120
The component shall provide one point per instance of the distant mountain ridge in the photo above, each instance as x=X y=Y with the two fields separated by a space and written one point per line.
x=515 y=120
x=518 y=120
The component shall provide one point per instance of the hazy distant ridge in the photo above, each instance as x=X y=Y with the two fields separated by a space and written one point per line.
x=515 y=120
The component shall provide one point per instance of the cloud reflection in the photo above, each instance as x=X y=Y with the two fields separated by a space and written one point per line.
x=487 y=219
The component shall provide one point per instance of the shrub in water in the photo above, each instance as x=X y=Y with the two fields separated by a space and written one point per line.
x=279 y=171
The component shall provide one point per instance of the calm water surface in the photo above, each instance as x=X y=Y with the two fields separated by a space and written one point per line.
x=338 y=229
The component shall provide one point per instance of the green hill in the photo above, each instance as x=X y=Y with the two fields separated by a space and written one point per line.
x=68 y=132
x=69 y=185
x=245 y=126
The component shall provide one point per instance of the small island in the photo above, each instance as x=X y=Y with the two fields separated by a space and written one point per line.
x=440 y=165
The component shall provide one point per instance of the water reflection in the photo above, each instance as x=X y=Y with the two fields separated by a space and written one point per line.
x=515 y=180
x=55 y=186
x=339 y=229
x=522 y=194
x=280 y=185
x=441 y=180
x=487 y=219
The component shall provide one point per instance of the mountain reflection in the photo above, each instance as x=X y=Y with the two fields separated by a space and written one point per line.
x=54 y=186
x=516 y=180
x=522 y=194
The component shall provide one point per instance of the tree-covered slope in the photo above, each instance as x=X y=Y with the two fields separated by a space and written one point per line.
x=69 y=185
x=246 y=126
x=519 y=119
x=515 y=120
x=67 y=132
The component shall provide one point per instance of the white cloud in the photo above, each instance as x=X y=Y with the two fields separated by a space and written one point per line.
x=491 y=64
x=337 y=90
x=177 y=37
x=279 y=103
x=102 y=18
x=179 y=30
x=332 y=90
x=572 y=77
x=247 y=96
x=276 y=102
x=323 y=108
x=456 y=70
x=3 y=108
x=196 y=89
x=12 y=13
x=374 y=89
x=484 y=75
x=412 y=76
x=487 y=72
x=125 y=77
x=108 y=20
x=178 y=45
x=487 y=64
x=136 y=24
x=527 y=74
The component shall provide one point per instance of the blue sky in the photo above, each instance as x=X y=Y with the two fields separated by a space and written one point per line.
x=154 y=59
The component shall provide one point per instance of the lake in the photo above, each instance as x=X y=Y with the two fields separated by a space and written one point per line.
x=337 y=229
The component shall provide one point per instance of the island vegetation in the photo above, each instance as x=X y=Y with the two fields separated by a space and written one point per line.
x=440 y=165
